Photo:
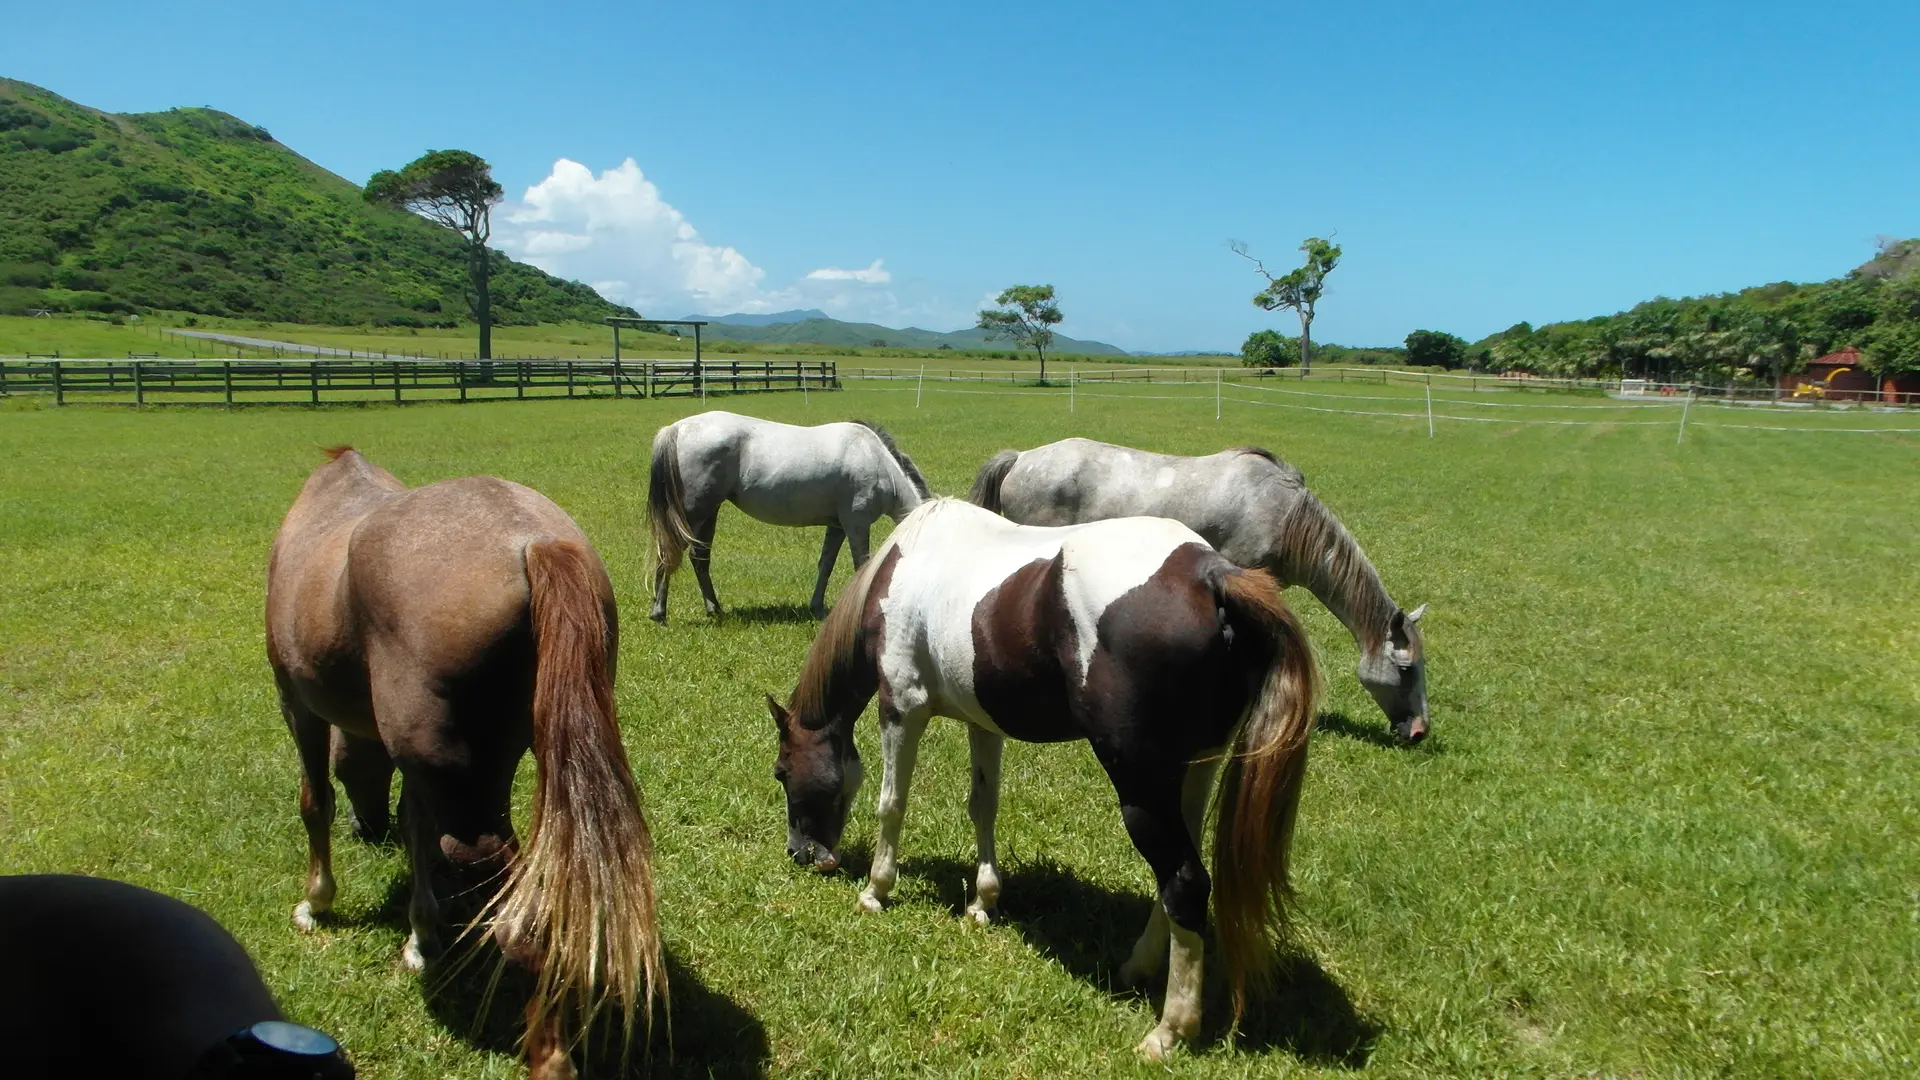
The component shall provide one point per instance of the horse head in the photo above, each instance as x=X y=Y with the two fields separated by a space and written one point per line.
x=819 y=767
x=1395 y=673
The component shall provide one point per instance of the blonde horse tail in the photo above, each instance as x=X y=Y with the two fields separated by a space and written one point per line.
x=667 y=502
x=579 y=899
x=1259 y=791
x=986 y=486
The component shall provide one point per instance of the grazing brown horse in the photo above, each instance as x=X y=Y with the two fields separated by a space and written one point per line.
x=444 y=630
x=1131 y=634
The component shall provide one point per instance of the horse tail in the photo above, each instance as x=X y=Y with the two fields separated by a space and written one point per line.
x=1259 y=792
x=986 y=486
x=667 y=502
x=579 y=898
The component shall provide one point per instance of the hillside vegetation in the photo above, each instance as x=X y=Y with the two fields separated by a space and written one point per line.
x=1754 y=335
x=195 y=210
x=822 y=330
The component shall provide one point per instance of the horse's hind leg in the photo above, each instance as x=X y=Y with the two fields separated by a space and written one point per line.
x=366 y=772
x=1152 y=803
x=1149 y=956
x=983 y=805
x=702 y=557
x=422 y=839
x=316 y=813
x=829 y=554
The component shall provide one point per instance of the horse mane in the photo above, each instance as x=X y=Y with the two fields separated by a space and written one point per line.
x=900 y=458
x=835 y=652
x=1256 y=451
x=1318 y=550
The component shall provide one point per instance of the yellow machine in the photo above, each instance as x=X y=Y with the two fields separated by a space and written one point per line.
x=1819 y=389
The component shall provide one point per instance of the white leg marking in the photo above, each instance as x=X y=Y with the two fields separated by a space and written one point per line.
x=1149 y=957
x=305 y=917
x=410 y=955
x=1180 y=1015
x=983 y=805
x=899 y=750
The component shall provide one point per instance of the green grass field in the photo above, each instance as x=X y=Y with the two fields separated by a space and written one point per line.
x=1665 y=827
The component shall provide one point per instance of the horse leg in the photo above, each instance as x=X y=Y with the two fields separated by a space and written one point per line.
x=829 y=554
x=857 y=536
x=1149 y=956
x=316 y=813
x=899 y=750
x=366 y=772
x=662 y=577
x=1151 y=803
x=702 y=557
x=983 y=805
x=422 y=840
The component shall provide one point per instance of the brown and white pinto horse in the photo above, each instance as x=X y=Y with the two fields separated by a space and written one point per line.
x=1130 y=633
x=445 y=630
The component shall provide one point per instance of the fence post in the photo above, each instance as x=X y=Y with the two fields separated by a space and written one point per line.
x=226 y=380
x=139 y=391
x=1070 y=382
x=917 y=390
x=59 y=394
x=460 y=379
x=1429 y=406
x=569 y=378
x=1684 y=410
x=396 y=382
x=520 y=381
x=313 y=380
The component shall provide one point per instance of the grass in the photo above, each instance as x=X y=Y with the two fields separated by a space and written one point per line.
x=1665 y=826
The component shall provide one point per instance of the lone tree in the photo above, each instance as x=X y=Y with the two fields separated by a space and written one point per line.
x=1027 y=315
x=457 y=190
x=1436 y=348
x=1298 y=289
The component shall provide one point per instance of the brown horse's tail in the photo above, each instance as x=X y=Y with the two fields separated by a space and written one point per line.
x=986 y=486
x=579 y=899
x=1259 y=789
x=667 y=502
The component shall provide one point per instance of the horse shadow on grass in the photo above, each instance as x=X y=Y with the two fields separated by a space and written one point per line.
x=483 y=1003
x=1339 y=723
x=1089 y=930
x=769 y=614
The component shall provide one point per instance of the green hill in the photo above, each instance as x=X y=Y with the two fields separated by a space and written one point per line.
x=195 y=210
x=825 y=331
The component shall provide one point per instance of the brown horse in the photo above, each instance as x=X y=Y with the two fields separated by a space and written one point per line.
x=445 y=630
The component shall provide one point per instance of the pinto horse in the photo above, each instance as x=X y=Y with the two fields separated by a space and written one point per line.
x=1132 y=634
x=843 y=476
x=444 y=630
x=1253 y=508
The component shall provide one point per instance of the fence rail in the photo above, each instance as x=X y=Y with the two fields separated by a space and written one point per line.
x=231 y=382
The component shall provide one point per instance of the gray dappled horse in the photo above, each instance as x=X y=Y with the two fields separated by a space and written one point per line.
x=1133 y=635
x=842 y=475
x=446 y=630
x=1253 y=508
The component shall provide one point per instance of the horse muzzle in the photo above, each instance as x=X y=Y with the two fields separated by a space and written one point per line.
x=1412 y=729
x=814 y=855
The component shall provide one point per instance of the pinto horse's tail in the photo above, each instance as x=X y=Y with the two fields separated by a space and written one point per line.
x=667 y=502
x=1259 y=790
x=579 y=899
x=986 y=486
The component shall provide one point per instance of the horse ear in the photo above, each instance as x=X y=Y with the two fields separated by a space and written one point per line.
x=781 y=718
x=1414 y=615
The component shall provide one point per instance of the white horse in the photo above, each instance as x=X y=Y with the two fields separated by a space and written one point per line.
x=842 y=475
x=1253 y=508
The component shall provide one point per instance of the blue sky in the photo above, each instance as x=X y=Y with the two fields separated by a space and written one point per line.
x=1481 y=163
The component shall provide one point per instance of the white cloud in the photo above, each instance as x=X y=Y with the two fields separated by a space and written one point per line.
x=616 y=232
x=872 y=275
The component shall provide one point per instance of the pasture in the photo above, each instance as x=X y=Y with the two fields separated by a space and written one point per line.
x=1665 y=825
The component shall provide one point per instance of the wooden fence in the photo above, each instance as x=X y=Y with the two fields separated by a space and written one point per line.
x=311 y=382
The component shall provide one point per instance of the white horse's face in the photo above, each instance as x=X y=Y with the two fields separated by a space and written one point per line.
x=1396 y=675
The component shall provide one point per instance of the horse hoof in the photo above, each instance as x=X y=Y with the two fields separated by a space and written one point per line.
x=659 y=617
x=985 y=916
x=871 y=904
x=1159 y=1045
x=305 y=917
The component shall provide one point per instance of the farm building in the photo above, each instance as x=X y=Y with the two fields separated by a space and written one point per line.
x=1842 y=378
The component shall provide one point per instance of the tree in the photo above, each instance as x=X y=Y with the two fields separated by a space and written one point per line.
x=1298 y=289
x=1435 y=348
x=1026 y=316
x=1269 y=349
x=457 y=190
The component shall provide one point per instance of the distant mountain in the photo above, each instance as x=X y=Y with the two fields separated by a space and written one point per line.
x=815 y=328
x=195 y=210
x=775 y=319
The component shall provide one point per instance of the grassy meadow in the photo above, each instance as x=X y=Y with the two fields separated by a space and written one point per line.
x=1666 y=825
